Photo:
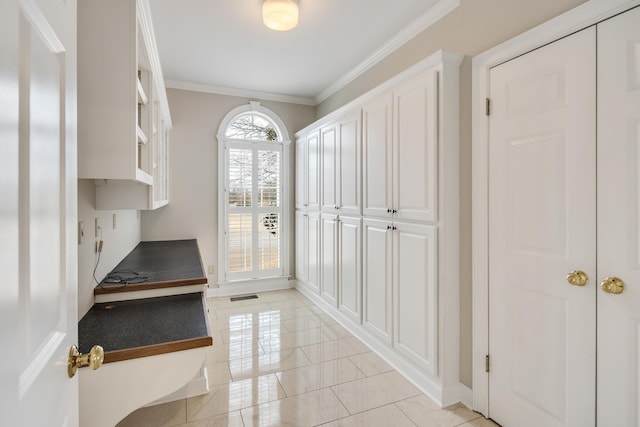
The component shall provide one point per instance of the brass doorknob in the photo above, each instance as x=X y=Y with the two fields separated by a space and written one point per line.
x=577 y=278
x=612 y=285
x=76 y=360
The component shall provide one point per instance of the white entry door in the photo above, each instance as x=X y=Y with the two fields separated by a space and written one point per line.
x=542 y=207
x=38 y=248
x=618 y=219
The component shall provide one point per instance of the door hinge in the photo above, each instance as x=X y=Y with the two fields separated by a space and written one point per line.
x=488 y=107
x=486 y=363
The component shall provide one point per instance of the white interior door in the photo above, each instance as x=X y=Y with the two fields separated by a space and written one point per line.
x=38 y=220
x=618 y=219
x=542 y=160
x=328 y=258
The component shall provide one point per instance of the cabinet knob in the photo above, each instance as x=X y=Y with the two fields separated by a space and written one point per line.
x=388 y=227
x=388 y=210
x=394 y=211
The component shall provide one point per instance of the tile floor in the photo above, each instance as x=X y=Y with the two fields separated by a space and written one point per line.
x=279 y=360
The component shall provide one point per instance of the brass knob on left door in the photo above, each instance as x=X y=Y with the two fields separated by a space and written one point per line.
x=577 y=278
x=76 y=360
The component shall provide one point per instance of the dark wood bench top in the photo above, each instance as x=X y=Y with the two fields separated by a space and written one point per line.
x=165 y=264
x=146 y=327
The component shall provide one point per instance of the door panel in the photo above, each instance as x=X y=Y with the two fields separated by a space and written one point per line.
x=377 y=156
x=377 y=278
x=349 y=165
x=349 y=266
x=301 y=246
x=328 y=161
x=38 y=164
x=313 y=171
x=618 y=219
x=415 y=294
x=415 y=169
x=328 y=261
x=541 y=222
x=313 y=250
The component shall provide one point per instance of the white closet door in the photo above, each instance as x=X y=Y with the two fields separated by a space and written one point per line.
x=350 y=267
x=618 y=219
x=541 y=222
x=313 y=250
x=313 y=171
x=329 y=169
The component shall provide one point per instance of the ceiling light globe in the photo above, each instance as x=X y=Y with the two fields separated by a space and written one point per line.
x=280 y=15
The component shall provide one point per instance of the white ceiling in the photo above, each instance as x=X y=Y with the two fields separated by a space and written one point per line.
x=222 y=45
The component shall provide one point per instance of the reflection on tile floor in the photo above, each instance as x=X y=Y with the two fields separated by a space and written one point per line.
x=279 y=360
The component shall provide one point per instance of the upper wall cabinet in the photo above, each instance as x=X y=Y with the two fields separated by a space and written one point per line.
x=400 y=132
x=340 y=165
x=123 y=114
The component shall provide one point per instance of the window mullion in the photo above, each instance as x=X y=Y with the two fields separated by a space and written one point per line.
x=254 y=209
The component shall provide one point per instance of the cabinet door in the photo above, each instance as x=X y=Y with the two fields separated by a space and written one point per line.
x=376 y=151
x=618 y=217
x=415 y=262
x=349 y=267
x=313 y=250
x=313 y=171
x=328 y=169
x=328 y=255
x=349 y=161
x=415 y=142
x=301 y=174
x=377 y=278
x=301 y=246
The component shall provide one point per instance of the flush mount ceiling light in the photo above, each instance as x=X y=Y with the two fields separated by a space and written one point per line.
x=280 y=15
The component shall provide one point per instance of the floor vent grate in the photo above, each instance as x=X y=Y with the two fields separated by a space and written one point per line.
x=243 y=297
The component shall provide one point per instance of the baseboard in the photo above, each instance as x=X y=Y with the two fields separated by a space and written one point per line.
x=249 y=287
x=428 y=385
x=458 y=393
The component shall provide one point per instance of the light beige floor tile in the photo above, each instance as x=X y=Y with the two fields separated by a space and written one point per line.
x=371 y=392
x=301 y=323
x=370 y=363
x=231 y=311
x=164 y=415
x=266 y=363
x=218 y=373
x=234 y=396
x=236 y=350
x=288 y=303
x=326 y=319
x=309 y=409
x=232 y=419
x=290 y=340
x=335 y=332
x=480 y=422
x=425 y=413
x=336 y=349
x=384 y=416
x=321 y=375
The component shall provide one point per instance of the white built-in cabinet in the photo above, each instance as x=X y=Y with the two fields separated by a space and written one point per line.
x=400 y=140
x=123 y=114
x=340 y=161
x=388 y=221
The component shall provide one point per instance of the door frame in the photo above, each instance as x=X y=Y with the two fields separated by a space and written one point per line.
x=582 y=16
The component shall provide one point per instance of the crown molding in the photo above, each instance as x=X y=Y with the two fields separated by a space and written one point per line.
x=243 y=93
x=434 y=14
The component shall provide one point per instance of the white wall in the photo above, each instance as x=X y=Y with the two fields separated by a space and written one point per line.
x=192 y=211
x=117 y=243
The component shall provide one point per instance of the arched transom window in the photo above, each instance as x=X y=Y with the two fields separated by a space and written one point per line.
x=253 y=195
